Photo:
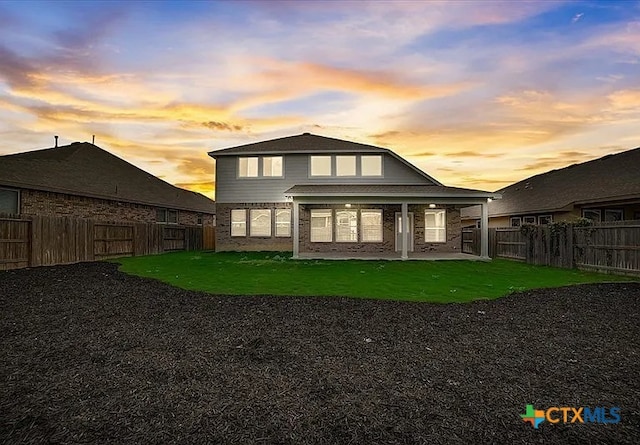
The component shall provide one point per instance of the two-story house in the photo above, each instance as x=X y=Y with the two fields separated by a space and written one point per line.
x=323 y=197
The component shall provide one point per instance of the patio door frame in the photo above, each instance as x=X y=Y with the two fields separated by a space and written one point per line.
x=397 y=232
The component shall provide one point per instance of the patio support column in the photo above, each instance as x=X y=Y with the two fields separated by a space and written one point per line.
x=405 y=230
x=296 y=229
x=484 y=231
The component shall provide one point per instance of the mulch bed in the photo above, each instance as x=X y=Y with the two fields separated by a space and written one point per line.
x=91 y=355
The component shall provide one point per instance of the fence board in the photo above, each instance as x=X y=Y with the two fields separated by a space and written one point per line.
x=209 y=238
x=607 y=247
x=48 y=240
x=14 y=243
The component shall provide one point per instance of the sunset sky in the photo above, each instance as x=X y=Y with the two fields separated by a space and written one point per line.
x=477 y=94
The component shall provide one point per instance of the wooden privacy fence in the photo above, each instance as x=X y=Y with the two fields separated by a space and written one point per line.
x=607 y=247
x=29 y=241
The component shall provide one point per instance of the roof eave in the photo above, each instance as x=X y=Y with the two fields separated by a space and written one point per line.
x=105 y=197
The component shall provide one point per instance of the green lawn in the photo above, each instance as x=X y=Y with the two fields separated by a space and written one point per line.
x=266 y=273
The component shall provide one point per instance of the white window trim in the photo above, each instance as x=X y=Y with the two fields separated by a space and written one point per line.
x=355 y=166
x=381 y=175
x=18 y=200
x=515 y=218
x=330 y=211
x=545 y=216
x=275 y=230
x=535 y=219
x=331 y=166
x=362 y=240
x=261 y=167
x=251 y=226
x=335 y=224
x=443 y=228
x=177 y=217
x=239 y=176
x=598 y=211
x=618 y=211
x=231 y=223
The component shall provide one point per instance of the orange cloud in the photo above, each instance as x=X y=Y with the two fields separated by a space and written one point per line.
x=624 y=100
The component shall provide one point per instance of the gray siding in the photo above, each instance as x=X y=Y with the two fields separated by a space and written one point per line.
x=231 y=189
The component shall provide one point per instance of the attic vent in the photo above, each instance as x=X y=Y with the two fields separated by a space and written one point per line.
x=306 y=134
x=76 y=143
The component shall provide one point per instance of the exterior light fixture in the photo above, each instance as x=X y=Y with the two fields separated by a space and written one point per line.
x=432 y=206
x=489 y=199
x=348 y=206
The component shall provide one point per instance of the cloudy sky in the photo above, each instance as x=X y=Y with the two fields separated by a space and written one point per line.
x=477 y=94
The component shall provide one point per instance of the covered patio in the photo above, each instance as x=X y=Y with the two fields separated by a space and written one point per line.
x=392 y=256
x=395 y=243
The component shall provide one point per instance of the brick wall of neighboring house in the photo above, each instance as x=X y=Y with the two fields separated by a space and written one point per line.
x=35 y=202
x=226 y=242
x=388 y=231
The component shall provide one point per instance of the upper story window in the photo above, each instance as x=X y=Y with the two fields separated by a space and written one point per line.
x=9 y=201
x=272 y=166
x=345 y=165
x=371 y=165
x=260 y=166
x=248 y=167
x=320 y=165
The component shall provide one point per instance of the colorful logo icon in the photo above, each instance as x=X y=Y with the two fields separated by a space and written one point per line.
x=569 y=414
x=533 y=416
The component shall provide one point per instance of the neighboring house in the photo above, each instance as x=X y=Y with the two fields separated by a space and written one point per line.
x=320 y=196
x=605 y=189
x=85 y=181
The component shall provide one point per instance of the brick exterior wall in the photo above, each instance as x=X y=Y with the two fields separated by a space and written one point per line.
x=226 y=242
x=387 y=245
x=35 y=202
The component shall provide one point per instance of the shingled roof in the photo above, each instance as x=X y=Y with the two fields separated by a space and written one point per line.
x=610 y=178
x=308 y=143
x=84 y=169
x=390 y=190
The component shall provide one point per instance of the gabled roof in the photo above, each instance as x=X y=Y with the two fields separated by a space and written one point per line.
x=308 y=143
x=613 y=177
x=84 y=169
x=378 y=190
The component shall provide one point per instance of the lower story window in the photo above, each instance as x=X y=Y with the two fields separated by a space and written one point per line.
x=321 y=226
x=161 y=215
x=347 y=226
x=199 y=219
x=9 y=201
x=515 y=221
x=371 y=222
x=529 y=219
x=435 y=226
x=592 y=214
x=283 y=222
x=613 y=215
x=545 y=219
x=260 y=222
x=239 y=222
x=167 y=216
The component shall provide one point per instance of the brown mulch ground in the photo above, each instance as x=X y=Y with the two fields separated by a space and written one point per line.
x=91 y=355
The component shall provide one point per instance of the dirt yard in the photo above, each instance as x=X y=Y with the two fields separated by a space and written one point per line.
x=90 y=355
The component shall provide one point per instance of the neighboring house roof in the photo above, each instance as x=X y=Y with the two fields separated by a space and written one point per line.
x=84 y=169
x=417 y=191
x=610 y=178
x=308 y=143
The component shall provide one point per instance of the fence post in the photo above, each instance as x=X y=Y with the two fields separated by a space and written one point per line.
x=570 y=242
